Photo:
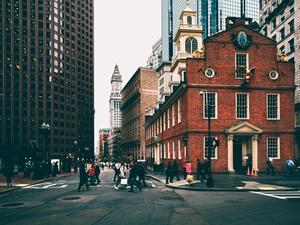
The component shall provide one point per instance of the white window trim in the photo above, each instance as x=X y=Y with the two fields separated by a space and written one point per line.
x=278 y=148
x=168 y=118
x=216 y=106
x=173 y=150
x=248 y=107
x=179 y=111
x=168 y=150
x=216 y=149
x=179 y=149
x=278 y=106
x=247 y=63
x=173 y=115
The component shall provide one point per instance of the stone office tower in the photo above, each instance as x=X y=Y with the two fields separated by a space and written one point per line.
x=46 y=75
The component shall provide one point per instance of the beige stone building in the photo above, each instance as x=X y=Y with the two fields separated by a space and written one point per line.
x=138 y=99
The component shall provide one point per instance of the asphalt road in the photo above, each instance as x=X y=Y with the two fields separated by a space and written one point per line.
x=58 y=202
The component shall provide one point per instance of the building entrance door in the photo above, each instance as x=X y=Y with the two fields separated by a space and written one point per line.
x=237 y=157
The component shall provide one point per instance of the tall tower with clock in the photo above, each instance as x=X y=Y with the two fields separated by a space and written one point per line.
x=115 y=99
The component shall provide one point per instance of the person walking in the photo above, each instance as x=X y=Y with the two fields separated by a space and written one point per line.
x=141 y=173
x=8 y=173
x=169 y=173
x=92 y=174
x=132 y=177
x=270 y=166
x=175 y=170
x=97 y=173
x=289 y=164
x=122 y=175
x=116 y=168
x=55 y=169
x=83 y=179
x=204 y=170
x=184 y=170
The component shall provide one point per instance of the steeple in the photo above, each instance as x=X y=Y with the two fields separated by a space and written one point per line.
x=116 y=76
x=187 y=7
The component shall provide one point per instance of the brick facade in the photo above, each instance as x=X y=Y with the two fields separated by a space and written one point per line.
x=139 y=94
x=238 y=137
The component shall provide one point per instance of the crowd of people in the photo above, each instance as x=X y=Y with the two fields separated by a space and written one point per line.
x=89 y=174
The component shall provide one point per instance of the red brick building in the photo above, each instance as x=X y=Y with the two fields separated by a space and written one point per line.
x=138 y=97
x=251 y=98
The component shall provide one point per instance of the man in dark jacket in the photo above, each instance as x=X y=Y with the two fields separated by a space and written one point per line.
x=8 y=173
x=97 y=173
x=133 y=173
x=175 y=171
x=83 y=177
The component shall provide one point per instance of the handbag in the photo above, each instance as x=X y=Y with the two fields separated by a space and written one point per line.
x=123 y=181
x=189 y=178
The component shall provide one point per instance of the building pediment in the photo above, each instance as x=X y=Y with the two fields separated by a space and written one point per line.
x=244 y=128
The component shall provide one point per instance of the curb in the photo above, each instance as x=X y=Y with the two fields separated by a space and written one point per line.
x=214 y=189
x=38 y=182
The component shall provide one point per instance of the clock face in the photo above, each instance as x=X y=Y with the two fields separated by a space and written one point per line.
x=242 y=39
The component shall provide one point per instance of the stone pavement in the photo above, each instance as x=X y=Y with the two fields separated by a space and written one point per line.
x=227 y=182
x=19 y=181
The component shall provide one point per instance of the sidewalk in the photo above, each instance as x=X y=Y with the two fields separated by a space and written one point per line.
x=226 y=182
x=19 y=181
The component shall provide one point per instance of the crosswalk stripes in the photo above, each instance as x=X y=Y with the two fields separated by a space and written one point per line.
x=47 y=185
x=282 y=195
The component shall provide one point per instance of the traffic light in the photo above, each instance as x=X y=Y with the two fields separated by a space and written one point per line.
x=215 y=142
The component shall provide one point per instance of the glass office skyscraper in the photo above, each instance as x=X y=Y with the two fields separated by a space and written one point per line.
x=211 y=14
x=47 y=75
x=215 y=12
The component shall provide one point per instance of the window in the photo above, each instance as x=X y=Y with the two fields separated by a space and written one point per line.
x=273 y=103
x=282 y=33
x=210 y=100
x=168 y=150
x=179 y=111
x=168 y=118
x=189 y=20
x=282 y=17
x=173 y=150
x=242 y=108
x=292 y=45
x=213 y=150
x=173 y=115
x=292 y=27
x=241 y=63
x=274 y=37
x=291 y=7
x=179 y=150
x=274 y=23
x=191 y=45
x=282 y=49
x=164 y=121
x=273 y=147
x=266 y=31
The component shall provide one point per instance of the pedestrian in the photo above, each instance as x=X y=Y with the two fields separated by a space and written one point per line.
x=169 y=173
x=122 y=175
x=116 y=168
x=249 y=163
x=289 y=164
x=97 y=173
x=92 y=174
x=141 y=173
x=184 y=170
x=188 y=167
x=203 y=170
x=83 y=178
x=175 y=170
x=270 y=166
x=55 y=169
x=132 y=177
x=8 y=173
x=27 y=169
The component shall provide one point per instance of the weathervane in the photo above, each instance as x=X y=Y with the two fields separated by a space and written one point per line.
x=188 y=3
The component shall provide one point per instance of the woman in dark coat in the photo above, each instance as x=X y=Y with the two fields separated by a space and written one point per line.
x=8 y=173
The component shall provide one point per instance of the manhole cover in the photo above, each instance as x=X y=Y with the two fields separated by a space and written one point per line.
x=14 y=204
x=71 y=198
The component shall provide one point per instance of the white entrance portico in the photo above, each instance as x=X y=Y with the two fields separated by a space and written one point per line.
x=242 y=142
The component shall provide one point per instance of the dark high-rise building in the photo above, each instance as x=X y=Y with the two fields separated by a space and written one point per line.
x=46 y=76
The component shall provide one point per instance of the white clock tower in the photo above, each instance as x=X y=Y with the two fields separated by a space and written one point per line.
x=115 y=99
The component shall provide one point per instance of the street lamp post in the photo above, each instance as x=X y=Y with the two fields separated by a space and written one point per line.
x=210 y=181
x=45 y=127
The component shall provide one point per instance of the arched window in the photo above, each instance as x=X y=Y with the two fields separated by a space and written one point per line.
x=189 y=20
x=191 y=45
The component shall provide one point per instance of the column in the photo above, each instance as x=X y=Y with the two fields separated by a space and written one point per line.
x=254 y=153
x=230 y=153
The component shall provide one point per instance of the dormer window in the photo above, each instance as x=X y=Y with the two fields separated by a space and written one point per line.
x=191 y=45
x=189 y=20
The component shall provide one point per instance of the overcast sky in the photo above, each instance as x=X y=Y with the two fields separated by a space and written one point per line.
x=124 y=34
